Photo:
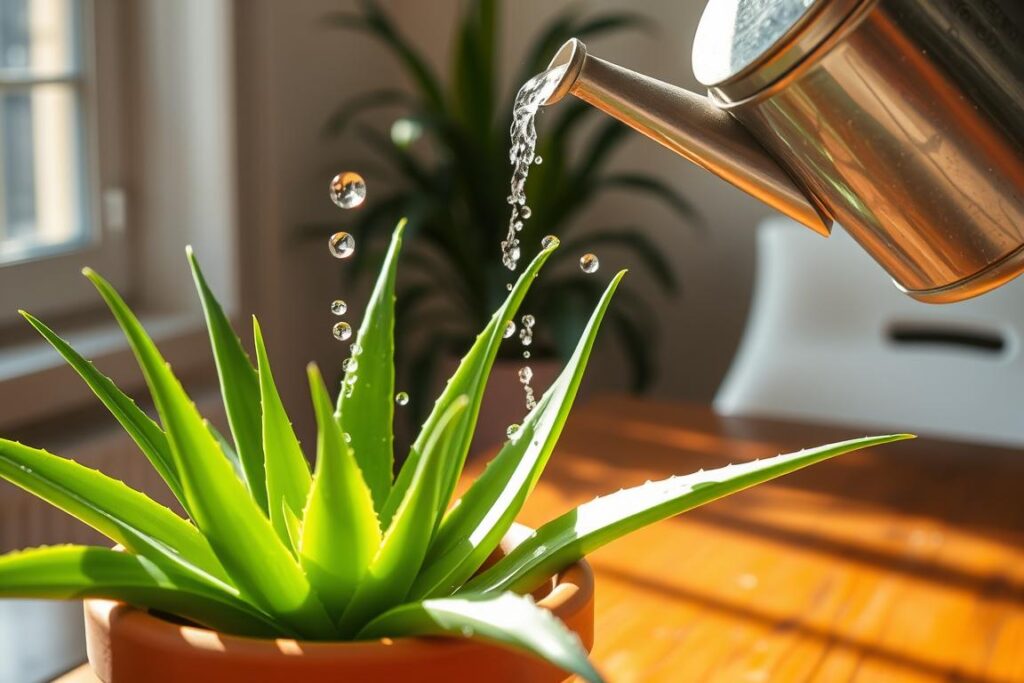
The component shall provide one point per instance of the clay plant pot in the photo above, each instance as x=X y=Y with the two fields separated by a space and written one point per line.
x=126 y=644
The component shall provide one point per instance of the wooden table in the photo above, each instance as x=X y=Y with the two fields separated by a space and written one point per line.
x=903 y=563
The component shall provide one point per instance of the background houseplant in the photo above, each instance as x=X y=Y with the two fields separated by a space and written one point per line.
x=447 y=167
x=349 y=551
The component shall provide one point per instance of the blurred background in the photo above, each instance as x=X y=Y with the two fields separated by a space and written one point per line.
x=133 y=128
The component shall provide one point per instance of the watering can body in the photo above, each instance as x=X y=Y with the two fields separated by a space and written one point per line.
x=901 y=120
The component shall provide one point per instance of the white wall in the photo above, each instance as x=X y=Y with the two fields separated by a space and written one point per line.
x=294 y=71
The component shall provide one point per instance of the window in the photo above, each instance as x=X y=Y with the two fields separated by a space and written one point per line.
x=40 y=128
x=56 y=72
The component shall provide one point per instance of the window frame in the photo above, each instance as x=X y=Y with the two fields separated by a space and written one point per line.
x=100 y=85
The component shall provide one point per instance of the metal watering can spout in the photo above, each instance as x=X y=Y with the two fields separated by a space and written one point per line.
x=900 y=120
x=688 y=124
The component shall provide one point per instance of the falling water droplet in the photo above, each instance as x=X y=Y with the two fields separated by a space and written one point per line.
x=512 y=429
x=339 y=307
x=549 y=241
x=348 y=189
x=525 y=337
x=526 y=354
x=589 y=263
x=525 y=374
x=529 y=320
x=402 y=398
x=342 y=330
x=342 y=245
x=405 y=131
x=526 y=212
x=509 y=286
x=537 y=160
x=510 y=329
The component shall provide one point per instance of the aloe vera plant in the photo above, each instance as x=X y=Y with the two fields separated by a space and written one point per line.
x=347 y=551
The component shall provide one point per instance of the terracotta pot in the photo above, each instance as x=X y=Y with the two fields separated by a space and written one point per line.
x=126 y=644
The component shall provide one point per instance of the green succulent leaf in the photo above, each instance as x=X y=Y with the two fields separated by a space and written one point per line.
x=583 y=530
x=146 y=433
x=470 y=379
x=75 y=572
x=340 y=533
x=288 y=479
x=391 y=573
x=239 y=387
x=235 y=526
x=366 y=402
x=116 y=510
x=504 y=619
x=477 y=523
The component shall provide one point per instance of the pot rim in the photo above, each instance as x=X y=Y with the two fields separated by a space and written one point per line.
x=571 y=590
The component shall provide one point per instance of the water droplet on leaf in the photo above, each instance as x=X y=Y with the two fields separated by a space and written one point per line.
x=342 y=245
x=549 y=241
x=512 y=429
x=348 y=189
x=510 y=329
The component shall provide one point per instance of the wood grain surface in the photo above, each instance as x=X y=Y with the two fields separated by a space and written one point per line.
x=900 y=564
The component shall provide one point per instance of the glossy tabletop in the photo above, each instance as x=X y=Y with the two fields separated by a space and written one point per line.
x=903 y=563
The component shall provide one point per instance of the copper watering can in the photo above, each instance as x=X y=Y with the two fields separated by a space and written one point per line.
x=901 y=120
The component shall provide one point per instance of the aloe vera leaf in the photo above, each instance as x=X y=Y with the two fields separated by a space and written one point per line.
x=503 y=619
x=477 y=523
x=583 y=530
x=366 y=403
x=340 y=533
x=391 y=573
x=228 y=449
x=146 y=433
x=239 y=386
x=293 y=525
x=116 y=510
x=239 y=533
x=470 y=379
x=287 y=473
x=72 y=572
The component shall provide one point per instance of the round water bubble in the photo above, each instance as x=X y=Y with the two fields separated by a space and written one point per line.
x=342 y=245
x=348 y=189
x=525 y=374
x=339 y=307
x=405 y=131
x=589 y=263
x=529 y=320
x=512 y=429
x=549 y=241
x=342 y=331
x=510 y=329
x=526 y=212
x=402 y=398
x=537 y=160
x=509 y=286
x=526 y=354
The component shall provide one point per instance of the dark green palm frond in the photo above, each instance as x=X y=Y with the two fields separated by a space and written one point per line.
x=373 y=21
